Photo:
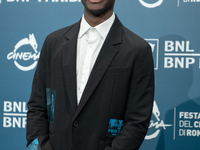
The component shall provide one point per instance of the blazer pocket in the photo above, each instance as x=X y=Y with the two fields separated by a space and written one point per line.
x=117 y=70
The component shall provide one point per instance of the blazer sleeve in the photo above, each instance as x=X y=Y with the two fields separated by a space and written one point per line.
x=139 y=104
x=37 y=120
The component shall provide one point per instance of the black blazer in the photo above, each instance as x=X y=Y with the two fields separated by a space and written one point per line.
x=120 y=87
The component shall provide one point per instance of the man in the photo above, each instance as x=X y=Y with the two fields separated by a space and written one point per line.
x=94 y=85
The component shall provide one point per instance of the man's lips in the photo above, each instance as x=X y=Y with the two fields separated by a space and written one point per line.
x=95 y=1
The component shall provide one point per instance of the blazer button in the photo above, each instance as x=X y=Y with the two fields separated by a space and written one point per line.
x=75 y=124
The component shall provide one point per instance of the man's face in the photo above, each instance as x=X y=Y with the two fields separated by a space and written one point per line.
x=98 y=7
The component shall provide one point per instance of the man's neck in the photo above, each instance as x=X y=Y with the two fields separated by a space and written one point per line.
x=96 y=20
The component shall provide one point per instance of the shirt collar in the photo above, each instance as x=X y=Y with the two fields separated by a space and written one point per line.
x=102 y=28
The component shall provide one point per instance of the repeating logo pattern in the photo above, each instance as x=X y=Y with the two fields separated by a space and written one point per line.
x=151 y=5
x=154 y=43
x=25 y=56
x=187 y=1
x=157 y=125
x=14 y=115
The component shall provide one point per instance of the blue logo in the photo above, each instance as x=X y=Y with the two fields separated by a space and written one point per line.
x=115 y=126
x=34 y=145
x=51 y=95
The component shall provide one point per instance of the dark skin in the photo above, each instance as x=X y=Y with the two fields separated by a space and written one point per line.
x=97 y=11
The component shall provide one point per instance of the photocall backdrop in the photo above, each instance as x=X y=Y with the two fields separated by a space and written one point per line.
x=172 y=28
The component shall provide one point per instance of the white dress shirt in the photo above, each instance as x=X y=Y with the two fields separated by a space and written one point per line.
x=90 y=41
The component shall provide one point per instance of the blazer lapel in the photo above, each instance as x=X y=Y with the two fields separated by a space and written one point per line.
x=69 y=64
x=103 y=61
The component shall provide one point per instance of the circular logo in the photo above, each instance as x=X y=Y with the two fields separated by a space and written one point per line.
x=151 y=5
x=25 y=56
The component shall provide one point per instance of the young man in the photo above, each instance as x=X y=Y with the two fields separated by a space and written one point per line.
x=93 y=88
